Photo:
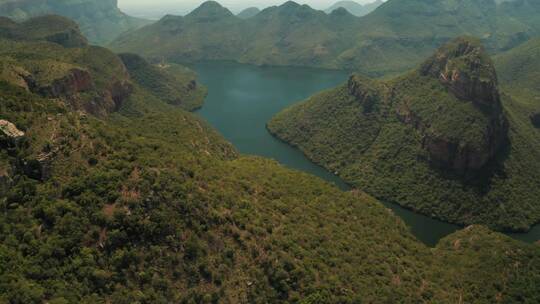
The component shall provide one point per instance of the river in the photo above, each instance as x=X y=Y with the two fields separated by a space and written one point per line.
x=242 y=98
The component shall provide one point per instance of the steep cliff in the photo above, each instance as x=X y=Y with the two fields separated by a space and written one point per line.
x=465 y=70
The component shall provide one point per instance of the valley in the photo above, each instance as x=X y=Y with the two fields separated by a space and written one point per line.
x=177 y=163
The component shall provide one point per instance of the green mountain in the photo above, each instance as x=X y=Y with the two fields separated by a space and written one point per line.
x=289 y=34
x=145 y=203
x=100 y=20
x=394 y=38
x=442 y=140
x=248 y=13
x=355 y=8
x=50 y=28
x=171 y=83
x=519 y=70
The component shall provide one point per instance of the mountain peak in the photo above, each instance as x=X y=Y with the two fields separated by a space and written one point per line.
x=249 y=12
x=290 y=5
x=340 y=11
x=465 y=68
x=209 y=11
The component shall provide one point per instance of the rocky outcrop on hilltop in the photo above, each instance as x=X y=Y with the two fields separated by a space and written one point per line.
x=9 y=134
x=464 y=68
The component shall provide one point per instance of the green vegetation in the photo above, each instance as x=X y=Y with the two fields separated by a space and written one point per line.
x=395 y=37
x=171 y=83
x=410 y=140
x=519 y=71
x=147 y=204
x=100 y=20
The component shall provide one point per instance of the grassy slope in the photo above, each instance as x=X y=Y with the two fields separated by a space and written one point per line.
x=374 y=151
x=151 y=205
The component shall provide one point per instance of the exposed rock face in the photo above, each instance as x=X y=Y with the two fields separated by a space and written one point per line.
x=9 y=135
x=463 y=67
x=109 y=100
x=460 y=156
x=10 y=130
x=119 y=92
x=74 y=82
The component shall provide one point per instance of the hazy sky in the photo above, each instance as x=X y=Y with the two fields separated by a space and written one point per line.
x=234 y=5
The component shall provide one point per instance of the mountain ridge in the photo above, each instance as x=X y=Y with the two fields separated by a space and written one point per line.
x=355 y=8
x=392 y=39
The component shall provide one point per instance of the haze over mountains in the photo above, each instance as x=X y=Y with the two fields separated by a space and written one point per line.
x=100 y=20
x=355 y=8
x=393 y=38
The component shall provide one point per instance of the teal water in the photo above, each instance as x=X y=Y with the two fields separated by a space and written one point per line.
x=242 y=98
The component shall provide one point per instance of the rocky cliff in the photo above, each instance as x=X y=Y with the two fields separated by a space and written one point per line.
x=465 y=70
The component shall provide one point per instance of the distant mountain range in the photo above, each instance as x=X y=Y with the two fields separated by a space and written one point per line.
x=100 y=20
x=355 y=8
x=249 y=12
x=393 y=38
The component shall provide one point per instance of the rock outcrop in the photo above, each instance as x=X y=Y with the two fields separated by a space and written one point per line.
x=464 y=68
x=118 y=92
x=75 y=81
x=9 y=134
